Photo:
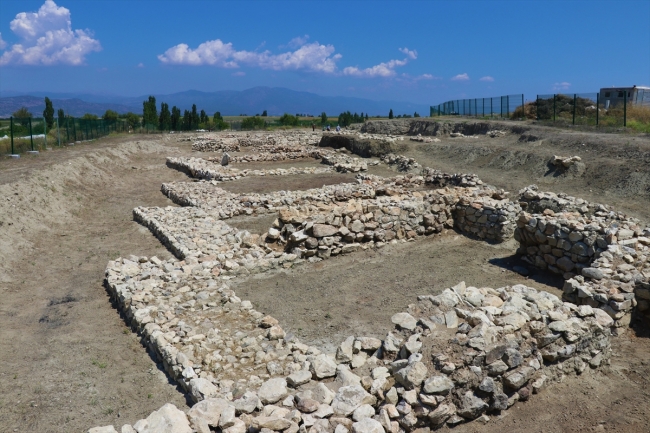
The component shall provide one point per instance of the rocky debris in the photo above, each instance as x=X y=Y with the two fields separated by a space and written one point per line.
x=496 y=133
x=401 y=162
x=420 y=139
x=565 y=161
x=461 y=135
x=440 y=179
x=167 y=419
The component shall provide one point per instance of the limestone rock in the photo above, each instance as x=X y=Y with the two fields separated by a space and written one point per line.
x=273 y=390
x=323 y=366
x=367 y=425
x=404 y=321
x=348 y=399
x=167 y=419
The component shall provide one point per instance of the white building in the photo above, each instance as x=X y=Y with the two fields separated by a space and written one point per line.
x=635 y=95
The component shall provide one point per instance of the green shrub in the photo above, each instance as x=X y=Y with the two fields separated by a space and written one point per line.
x=253 y=123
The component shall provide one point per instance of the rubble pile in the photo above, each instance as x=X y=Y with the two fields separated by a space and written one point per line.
x=420 y=139
x=402 y=162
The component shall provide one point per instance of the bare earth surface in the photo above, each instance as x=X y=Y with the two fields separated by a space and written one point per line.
x=67 y=361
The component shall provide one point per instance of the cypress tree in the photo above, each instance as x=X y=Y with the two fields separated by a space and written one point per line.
x=48 y=113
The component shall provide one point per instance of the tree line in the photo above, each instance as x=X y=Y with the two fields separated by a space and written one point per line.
x=189 y=120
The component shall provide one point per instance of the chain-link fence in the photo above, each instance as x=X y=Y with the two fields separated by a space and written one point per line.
x=595 y=109
x=32 y=134
x=499 y=107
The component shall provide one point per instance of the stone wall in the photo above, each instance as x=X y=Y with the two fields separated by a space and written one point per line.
x=234 y=141
x=605 y=258
x=486 y=217
x=343 y=227
x=452 y=358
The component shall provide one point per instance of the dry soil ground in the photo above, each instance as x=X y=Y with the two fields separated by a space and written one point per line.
x=67 y=362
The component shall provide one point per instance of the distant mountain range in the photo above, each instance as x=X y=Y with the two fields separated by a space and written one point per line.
x=275 y=100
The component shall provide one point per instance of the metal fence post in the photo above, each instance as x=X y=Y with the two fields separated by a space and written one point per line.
x=537 y=106
x=31 y=136
x=554 y=99
x=523 y=107
x=508 y=106
x=597 y=109
x=45 y=132
x=574 y=108
x=625 y=108
x=58 y=131
x=11 y=128
x=491 y=109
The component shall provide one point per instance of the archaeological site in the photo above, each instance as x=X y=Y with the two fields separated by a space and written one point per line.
x=399 y=276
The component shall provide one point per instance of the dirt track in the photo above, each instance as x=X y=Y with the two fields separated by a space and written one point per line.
x=67 y=362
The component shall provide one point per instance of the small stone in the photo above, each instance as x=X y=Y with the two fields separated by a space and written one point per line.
x=472 y=406
x=441 y=414
x=273 y=390
x=438 y=385
x=367 y=425
x=404 y=321
x=323 y=366
x=363 y=411
x=299 y=378
x=593 y=273
x=412 y=375
x=307 y=405
x=348 y=399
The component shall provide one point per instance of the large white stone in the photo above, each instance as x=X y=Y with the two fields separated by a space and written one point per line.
x=367 y=425
x=273 y=390
x=348 y=398
x=167 y=419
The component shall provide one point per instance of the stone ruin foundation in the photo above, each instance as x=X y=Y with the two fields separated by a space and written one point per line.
x=465 y=354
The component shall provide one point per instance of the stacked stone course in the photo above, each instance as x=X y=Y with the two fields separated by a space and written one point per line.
x=486 y=349
x=233 y=142
x=603 y=255
x=486 y=217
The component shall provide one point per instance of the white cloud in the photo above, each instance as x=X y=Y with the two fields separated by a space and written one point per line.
x=384 y=69
x=3 y=44
x=310 y=57
x=486 y=78
x=298 y=41
x=313 y=57
x=238 y=74
x=140 y=65
x=460 y=77
x=409 y=78
x=561 y=86
x=411 y=54
x=47 y=38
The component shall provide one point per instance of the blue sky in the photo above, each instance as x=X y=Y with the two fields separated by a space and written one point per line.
x=423 y=51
